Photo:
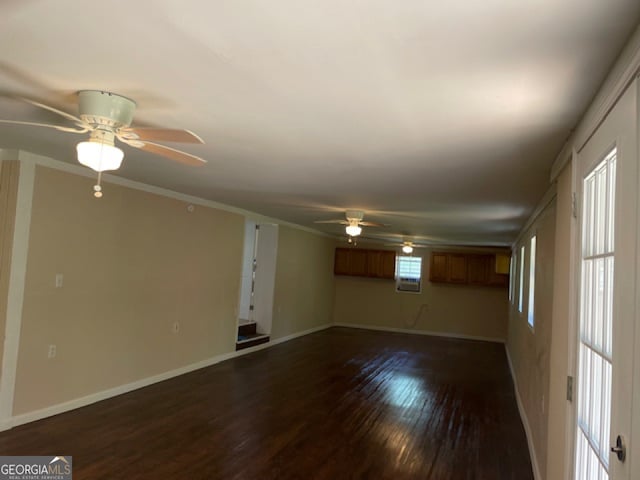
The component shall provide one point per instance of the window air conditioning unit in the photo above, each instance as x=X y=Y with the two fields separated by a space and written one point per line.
x=408 y=285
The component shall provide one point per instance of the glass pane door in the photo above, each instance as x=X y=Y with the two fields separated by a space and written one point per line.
x=596 y=323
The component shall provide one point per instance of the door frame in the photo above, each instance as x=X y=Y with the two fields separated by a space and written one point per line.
x=633 y=452
x=265 y=276
x=574 y=310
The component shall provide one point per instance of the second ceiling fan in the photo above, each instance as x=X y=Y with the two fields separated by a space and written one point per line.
x=354 y=222
x=407 y=246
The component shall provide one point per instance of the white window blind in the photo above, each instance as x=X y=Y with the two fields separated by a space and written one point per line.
x=408 y=267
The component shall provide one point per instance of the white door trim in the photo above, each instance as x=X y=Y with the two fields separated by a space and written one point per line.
x=634 y=450
x=572 y=347
x=15 y=298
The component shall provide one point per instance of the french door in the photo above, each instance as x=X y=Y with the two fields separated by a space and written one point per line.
x=607 y=187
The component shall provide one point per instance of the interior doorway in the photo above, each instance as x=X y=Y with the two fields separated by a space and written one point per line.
x=255 y=311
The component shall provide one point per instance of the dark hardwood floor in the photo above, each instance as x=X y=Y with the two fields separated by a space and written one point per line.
x=338 y=404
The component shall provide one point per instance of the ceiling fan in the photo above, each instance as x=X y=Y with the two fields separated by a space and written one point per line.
x=106 y=116
x=407 y=246
x=353 y=222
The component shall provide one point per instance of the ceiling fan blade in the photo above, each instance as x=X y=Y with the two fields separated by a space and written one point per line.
x=159 y=135
x=413 y=245
x=341 y=222
x=31 y=82
x=66 y=115
x=46 y=125
x=168 y=152
x=373 y=224
x=401 y=245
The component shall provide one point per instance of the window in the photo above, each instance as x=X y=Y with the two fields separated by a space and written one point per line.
x=408 y=273
x=521 y=280
x=532 y=279
x=512 y=274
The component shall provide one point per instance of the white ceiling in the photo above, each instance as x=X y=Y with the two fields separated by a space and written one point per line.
x=441 y=119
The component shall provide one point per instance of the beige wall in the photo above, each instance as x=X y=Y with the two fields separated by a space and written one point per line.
x=447 y=309
x=303 y=297
x=9 y=171
x=529 y=348
x=133 y=264
x=558 y=356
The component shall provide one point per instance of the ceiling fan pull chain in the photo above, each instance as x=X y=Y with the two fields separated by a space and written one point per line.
x=97 y=189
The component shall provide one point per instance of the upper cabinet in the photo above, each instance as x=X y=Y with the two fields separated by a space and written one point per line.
x=457 y=268
x=478 y=269
x=341 y=261
x=466 y=269
x=439 y=271
x=361 y=262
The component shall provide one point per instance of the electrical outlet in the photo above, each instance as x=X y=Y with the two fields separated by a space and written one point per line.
x=52 y=351
x=176 y=327
x=59 y=280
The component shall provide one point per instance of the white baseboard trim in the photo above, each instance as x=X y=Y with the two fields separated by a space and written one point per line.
x=525 y=421
x=257 y=337
x=300 y=334
x=420 y=332
x=121 y=389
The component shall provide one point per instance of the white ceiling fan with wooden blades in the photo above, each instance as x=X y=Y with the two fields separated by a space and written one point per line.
x=354 y=222
x=106 y=117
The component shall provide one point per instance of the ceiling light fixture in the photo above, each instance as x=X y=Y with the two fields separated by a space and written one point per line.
x=353 y=230
x=99 y=156
x=407 y=249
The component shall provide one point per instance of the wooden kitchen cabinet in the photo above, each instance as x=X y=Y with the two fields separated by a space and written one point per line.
x=381 y=263
x=341 y=262
x=358 y=263
x=439 y=267
x=478 y=269
x=361 y=262
x=457 y=272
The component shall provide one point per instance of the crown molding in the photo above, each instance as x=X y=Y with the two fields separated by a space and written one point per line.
x=27 y=157
x=623 y=73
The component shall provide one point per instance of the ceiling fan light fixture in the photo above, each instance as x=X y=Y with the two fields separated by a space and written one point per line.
x=353 y=230
x=407 y=249
x=99 y=156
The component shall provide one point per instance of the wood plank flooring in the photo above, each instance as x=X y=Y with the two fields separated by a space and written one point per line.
x=337 y=404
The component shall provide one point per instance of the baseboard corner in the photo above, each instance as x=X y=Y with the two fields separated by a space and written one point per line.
x=525 y=420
